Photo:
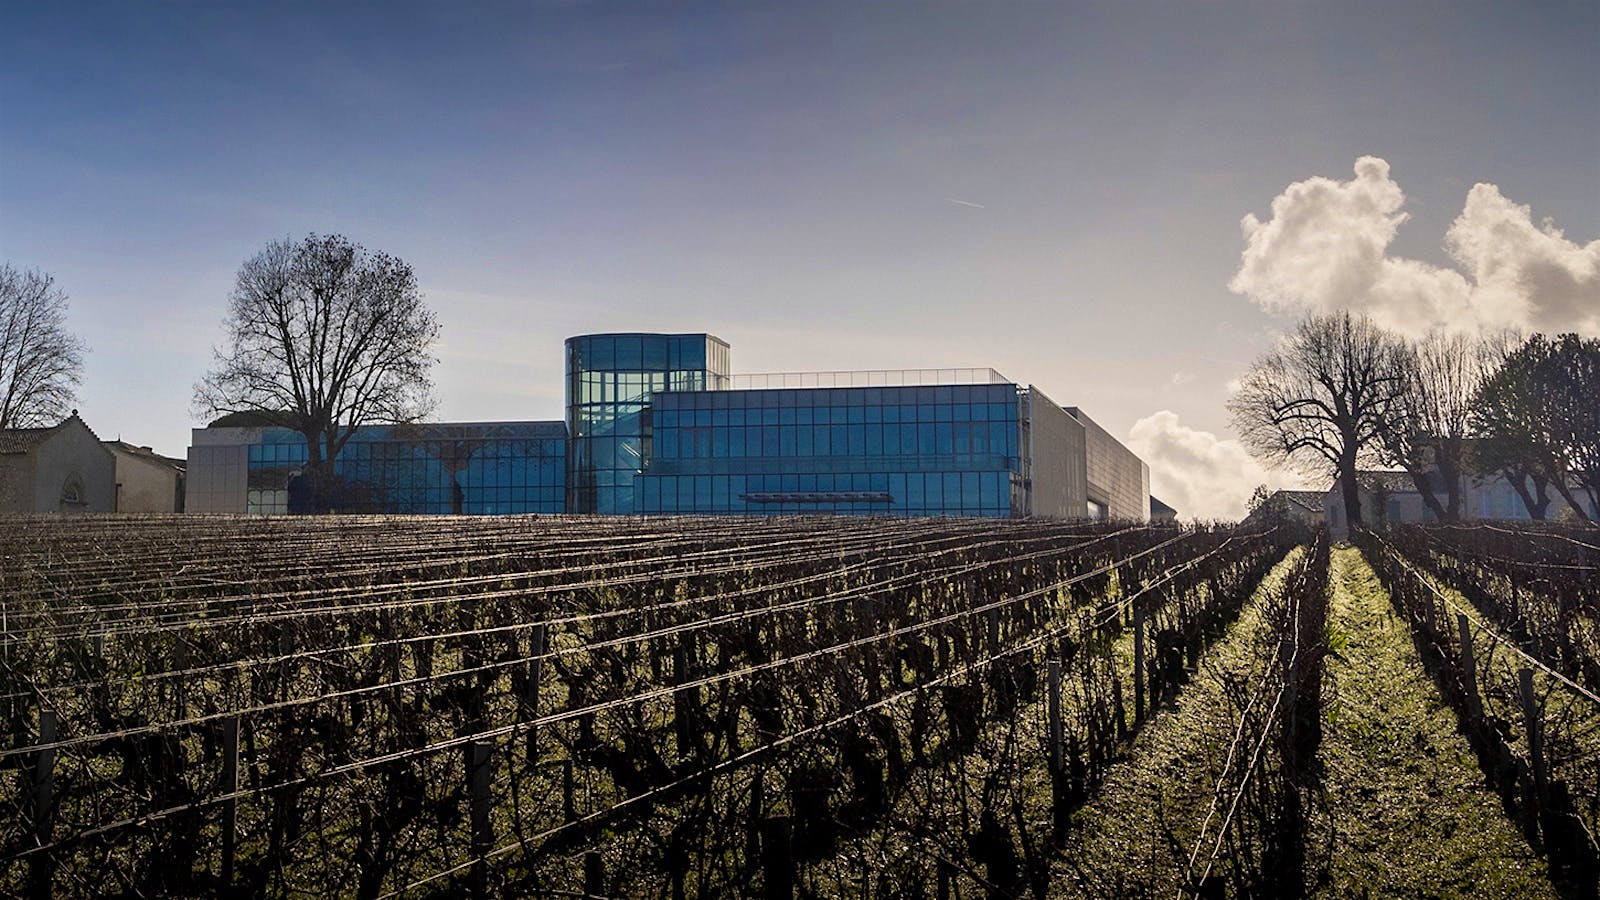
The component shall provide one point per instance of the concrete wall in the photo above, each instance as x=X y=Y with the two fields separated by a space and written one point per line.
x=1059 y=466
x=218 y=469
x=73 y=452
x=145 y=483
x=16 y=483
x=1116 y=477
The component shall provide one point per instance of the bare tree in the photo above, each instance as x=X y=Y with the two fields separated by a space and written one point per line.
x=40 y=360
x=324 y=336
x=1429 y=432
x=1322 y=399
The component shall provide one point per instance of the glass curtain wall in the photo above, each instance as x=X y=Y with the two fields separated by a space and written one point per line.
x=501 y=468
x=948 y=450
x=610 y=381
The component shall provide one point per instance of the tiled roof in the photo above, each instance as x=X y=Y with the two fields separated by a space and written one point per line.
x=23 y=440
x=1310 y=500
x=1381 y=482
x=147 y=453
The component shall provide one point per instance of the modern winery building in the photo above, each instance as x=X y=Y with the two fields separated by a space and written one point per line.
x=657 y=424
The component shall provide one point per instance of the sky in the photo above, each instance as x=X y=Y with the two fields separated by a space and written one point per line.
x=1123 y=203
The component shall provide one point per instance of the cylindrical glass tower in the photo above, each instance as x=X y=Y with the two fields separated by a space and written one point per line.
x=610 y=378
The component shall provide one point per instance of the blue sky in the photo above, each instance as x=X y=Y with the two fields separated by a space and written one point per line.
x=783 y=175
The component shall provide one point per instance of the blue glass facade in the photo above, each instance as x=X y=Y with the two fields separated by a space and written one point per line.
x=610 y=380
x=497 y=468
x=653 y=426
x=947 y=450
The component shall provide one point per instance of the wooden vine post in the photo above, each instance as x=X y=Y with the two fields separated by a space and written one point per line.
x=1469 y=670
x=569 y=805
x=41 y=867
x=480 y=775
x=230 y=806
x=594 y=874
x=867 y=610
x=1054 y=706
x=1121 y=708
x=1138 y=664
x=777 y=859
x=1530 y=712
x=530 y=697
x=754 y=814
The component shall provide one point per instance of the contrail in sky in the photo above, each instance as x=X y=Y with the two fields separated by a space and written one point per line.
x=966 y=203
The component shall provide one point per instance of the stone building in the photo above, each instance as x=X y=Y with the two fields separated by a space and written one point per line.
x=63 y=468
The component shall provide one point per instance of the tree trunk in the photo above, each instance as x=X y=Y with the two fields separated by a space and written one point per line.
x=1352 y=491
x=1430 y=498
x=1593 y=490
x=1531 y=490
x=1573 y=502
x=316 y=472
x=1450 y=471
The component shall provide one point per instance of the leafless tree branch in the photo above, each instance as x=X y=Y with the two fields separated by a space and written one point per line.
x=40 y=360
x=1320 y=400
x=324 y=337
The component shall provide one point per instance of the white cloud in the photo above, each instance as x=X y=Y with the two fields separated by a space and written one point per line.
x=1525 y=275
x=1325 y=248
x=1195 y=472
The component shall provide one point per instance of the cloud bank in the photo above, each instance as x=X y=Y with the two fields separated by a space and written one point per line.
x=1195 y=472
x=1325 y=248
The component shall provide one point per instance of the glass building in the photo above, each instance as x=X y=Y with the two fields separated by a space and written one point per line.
x=942 y=450
x=610 y=381
x=657 y=424
x=462 y=469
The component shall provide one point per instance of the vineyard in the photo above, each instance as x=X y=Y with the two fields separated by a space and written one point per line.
x=385 y=706
x=1508 y=624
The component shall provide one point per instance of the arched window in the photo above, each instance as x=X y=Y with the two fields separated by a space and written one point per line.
x=73 y=497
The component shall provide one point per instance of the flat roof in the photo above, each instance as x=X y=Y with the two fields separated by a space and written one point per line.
x=843 y=378
x=644 y=334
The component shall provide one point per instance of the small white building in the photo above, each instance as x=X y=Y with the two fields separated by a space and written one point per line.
x=1393 y=498
x=1305 y=507
x=146 y=480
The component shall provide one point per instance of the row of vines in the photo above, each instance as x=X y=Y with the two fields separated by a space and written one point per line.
x=1507 y=621
x=1256 y=838
x=384 y=706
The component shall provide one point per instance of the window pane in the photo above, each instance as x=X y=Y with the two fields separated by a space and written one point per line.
x=655 y=353
x=629 y=353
